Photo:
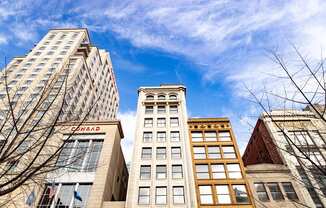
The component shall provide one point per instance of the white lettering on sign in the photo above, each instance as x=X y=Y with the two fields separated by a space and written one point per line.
x=86 y=128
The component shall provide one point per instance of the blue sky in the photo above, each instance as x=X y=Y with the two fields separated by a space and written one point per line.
x=212 y=47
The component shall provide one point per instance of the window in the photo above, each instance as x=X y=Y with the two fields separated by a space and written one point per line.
x=143 y=195
x=65 y=195
x=148 y=122
x=83 y=190
x=93 y=155
x=146 y=153
x=161 y=136
x=160 y=195
x=202 y=171
x=289 y=191
x=213 y=152
x=210 y=136
x=175 y=136
x=149 y=109
x=175 y=152
x=199 y=153
x=173 y=109
x=206 y=196
x=261 y=192
x=241 y=195
x=161 y=97
x=197 y=136
x=275 y=191
x=147 y=136
x=173 y=97
x=161 y=122
x=301 y=138
x=228 y=152
x=174 y=122
x=46 y=199
x=218 y=171
x=149 y=97
x=234 y=171
x=161 y=109
x=145 y=172
x=224 y=136
x=223 y=194
x=178 y=195
x=177 y=171
x=161 y=172
x=161 y=153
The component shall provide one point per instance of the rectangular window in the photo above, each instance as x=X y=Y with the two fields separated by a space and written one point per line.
x=213 y=152
x=199 y=153
x=161 y=153
x=148 y=122
x=228 y=152
x=202 y=171
x=197 y=136
x=224 y=136
x=65 y=195
x=147 y=136
x=234 y=170
x=275 y=191
x=218 y=171
x=261 y=192
x=178 y=195
x=161 y=172
x=160 y=195
x=289 y=191
x=175 y=152
x=46 y=198
x=161 y=109
x=175 y=136
x=177 y=171
x=223 y=194
x=161 y=136
x=145 y=172
x=93 y=155
x=301 y=138
x=174 y=122
x=206 y=196
x=146 y=153
x=143 y=195
x=83 y=190
x=240 y=193
x=79 y=155
x=161 y=122
x=210 y=136
x=173 y=109
x=149 y=109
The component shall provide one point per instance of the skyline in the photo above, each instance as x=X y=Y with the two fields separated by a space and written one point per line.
x=210 y=47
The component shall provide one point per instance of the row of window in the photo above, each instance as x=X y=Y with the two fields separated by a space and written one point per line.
x=161 y=136
x=62 y=195
x=161 y=109
x=146 y=153
x=210 y=136
x=161 y=122
x=161 y=172
x=274 y=191
x=80 y=155
x=223 y=194
x=218 y=171
x=214 y=152
x=161 y=195
x=161 y=97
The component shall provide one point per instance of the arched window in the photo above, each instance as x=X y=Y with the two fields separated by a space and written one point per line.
x=161 y=97
x=149 y=97
x=173 y=97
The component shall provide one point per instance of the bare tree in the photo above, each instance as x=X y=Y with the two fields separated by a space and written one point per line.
x=29 y=128
x=303 y=96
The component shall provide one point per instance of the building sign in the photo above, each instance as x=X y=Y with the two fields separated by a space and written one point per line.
x=86 y=128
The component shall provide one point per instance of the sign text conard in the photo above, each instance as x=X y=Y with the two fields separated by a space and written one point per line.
x=86 y=128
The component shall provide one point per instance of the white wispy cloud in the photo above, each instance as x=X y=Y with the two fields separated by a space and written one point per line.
x=128 y=121
x=3 y=39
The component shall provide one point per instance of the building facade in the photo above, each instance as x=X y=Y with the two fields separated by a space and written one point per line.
x=294 y=139
x=161 y=170
x=220 y=179
x=274 y=186
x=64 y=54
